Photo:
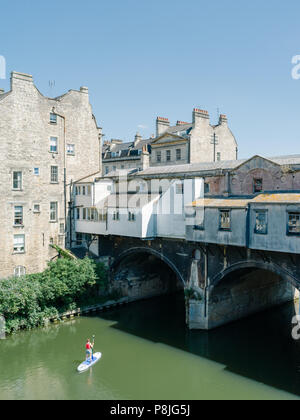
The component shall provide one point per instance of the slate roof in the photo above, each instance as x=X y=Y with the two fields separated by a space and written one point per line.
x=292 y=160
x=124 y=148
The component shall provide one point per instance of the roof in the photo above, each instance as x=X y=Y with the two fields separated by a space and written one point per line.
x=179 y=128
x=88 y=178
x=117 y=147
x=272 y=198
x=125 y=201
x=292 y=160
x=191 y=167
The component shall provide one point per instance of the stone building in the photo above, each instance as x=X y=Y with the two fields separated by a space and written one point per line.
x=45 y=144
x=228 y=232
x=183 y=143
x=133 y=155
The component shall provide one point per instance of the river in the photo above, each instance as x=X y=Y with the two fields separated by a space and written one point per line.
x=149 y=354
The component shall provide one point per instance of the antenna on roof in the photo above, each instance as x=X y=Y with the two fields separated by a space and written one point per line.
x=218 y=112
x=51 y=86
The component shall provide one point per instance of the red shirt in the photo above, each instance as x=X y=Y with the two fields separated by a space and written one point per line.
x=88 y=346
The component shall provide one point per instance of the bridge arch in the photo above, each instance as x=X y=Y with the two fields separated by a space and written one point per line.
x=255 y=265
x=145 y=250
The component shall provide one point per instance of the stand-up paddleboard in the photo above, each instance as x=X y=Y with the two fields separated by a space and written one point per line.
x=88 y=364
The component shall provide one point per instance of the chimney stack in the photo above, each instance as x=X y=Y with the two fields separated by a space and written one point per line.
x=138 y=138
x=145 y=158
x=20 y=79
x=162 y=125
x=200 y=115
x=223 y=119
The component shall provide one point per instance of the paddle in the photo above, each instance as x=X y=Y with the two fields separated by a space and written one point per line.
x=93 y=347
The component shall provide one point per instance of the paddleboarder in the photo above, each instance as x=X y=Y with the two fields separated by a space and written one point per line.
x=89 y=350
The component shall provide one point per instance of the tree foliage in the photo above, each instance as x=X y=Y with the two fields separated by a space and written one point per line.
x=27 y=301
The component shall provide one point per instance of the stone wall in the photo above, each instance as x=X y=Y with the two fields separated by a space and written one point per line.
x=25 y=132
x=234 y=300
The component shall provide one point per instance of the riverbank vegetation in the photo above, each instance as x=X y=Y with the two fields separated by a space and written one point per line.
x=27 y=302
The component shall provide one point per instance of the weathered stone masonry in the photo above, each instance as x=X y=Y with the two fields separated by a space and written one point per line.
x=25 y=131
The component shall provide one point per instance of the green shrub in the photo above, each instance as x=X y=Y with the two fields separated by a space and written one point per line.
x=27 y=301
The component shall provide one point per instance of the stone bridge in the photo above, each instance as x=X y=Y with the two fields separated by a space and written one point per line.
x=221 y=283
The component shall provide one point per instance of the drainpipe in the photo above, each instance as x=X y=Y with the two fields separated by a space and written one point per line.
x=65 y=171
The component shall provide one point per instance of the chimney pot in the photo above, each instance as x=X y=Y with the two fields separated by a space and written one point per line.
x=182 y=123
x=223 y=119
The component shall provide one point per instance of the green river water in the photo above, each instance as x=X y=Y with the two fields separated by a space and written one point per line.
x=149 y=354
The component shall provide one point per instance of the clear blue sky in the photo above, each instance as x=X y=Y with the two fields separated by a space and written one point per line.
x=141 y=59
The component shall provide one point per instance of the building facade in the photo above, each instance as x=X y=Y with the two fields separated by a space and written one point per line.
x=45 y=145
x=184 y=143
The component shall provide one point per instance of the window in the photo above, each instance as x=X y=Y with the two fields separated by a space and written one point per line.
x=206 y=188
x=53 y=118
x=19 y=244
x=79 y=238
x=261 y=222
x=71 y=149
x=17 y=180
x=168 y=155
x=18 y=219
x=83 y=190
x=89 y=190
x=78 y=190
x=53 y=144
x=218 y=157
x=36 y=208
x=294 y=223
x=225 y=220
x=36 y=171
x=62 y=229
x=178 y=154
x=19 y=271
x=53 y=211
x=54 y=174
x=102 y=215
x=116 y=215
x=179 y=189
x=78 y=214
x=257 y=185
x=158 y=156
x=106 y=170
x=114 y=168
x=131 y=216
x=94 y=215
x=84 y=214
x=88 y=213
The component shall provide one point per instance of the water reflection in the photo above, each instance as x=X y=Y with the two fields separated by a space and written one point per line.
x=260 y=347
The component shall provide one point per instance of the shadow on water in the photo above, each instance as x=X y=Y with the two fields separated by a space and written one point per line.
x=260 y=347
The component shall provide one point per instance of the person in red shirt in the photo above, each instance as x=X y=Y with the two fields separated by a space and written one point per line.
x=89 y=350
